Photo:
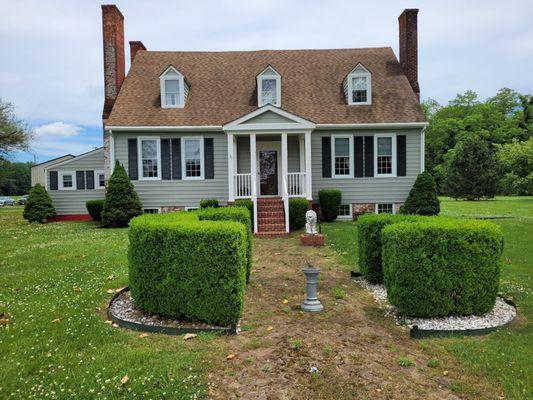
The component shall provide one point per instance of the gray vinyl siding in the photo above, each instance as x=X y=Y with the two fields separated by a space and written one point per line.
x=73 y=201
x=243 y=152
x=37 y=171
x=268 y=118
x=184 y=193
x=368 y=190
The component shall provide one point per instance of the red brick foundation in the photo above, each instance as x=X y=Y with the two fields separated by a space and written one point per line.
x=312 y=240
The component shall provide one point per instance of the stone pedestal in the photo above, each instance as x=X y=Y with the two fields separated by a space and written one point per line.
x=312 y=240
x=311 y=303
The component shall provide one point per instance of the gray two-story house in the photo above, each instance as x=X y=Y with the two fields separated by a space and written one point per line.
x=262 y=125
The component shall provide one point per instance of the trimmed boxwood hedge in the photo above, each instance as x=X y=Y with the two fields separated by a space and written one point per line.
x=249 y=204
x=369 y=228
x=94 y=208
x=297 y=209
x=209 y=203
x=188 y=269
x=239 y=214
x=438 y=267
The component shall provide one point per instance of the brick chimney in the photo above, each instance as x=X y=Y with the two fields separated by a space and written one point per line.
x=135 y=46
x=409 y=47
x=114 y=65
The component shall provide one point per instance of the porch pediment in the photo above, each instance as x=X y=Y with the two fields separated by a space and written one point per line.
x=269 y=118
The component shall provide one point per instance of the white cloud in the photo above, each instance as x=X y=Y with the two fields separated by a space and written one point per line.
x=57 y=129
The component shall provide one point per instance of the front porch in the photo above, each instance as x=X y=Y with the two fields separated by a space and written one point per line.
x=269 y=156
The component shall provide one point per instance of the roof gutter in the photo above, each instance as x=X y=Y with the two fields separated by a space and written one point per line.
x=386 y=125
x=200 y=128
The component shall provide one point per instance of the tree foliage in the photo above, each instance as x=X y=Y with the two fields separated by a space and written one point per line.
x=121 y=200
x=15 y=178
x=516 y=160
x=15 y=134
x=39 y=207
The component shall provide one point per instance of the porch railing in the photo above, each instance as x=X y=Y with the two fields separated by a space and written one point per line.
x=243 y=186
x=296 y=184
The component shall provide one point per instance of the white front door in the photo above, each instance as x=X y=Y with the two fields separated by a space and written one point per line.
x=268 y=168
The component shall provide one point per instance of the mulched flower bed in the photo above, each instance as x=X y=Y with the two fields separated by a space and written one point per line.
x=122 y=312
x=502 y=314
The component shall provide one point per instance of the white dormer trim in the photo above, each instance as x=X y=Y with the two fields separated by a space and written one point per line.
x=358 y=71
x=268 y=73
x=296 y=123
x=182 y=89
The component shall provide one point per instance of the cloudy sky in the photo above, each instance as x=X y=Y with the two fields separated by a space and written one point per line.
x=51 y=51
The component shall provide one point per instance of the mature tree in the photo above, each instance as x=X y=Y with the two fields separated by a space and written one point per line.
x=526 y=120
x=39 y=207
x=506 y=100
x=467 y=99
x=15 y=134
x=15 y=178
x=121 y=200
x=473 y=170
x=422 y=199
x=516 y=159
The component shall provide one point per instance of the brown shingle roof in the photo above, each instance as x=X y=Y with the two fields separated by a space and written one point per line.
x=223 y=87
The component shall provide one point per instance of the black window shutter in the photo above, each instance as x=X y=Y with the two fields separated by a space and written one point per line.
x=359 y=156
x=326 y=157
x=53 y=180
x=401 y=155
x=176 y=158
x=133 y=166
x=369 y=156
x=209 y=159
x=80 y=180
x=89 y=179
x=165 y=159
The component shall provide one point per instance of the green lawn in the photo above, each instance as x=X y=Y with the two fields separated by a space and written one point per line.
x=506 y=356
x=56 y=344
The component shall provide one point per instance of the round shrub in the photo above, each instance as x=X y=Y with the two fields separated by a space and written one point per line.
x=188 y=269
x=330 y=201
x=422 y=199
x=239 y=214
x=369 y=228
x=441 y=267
x=38 y=207
x=94 y=208
x=209 y=203
x=297 y=210
x=121 y=201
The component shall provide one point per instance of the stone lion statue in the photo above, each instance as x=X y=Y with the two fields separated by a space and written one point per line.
x=310 y=226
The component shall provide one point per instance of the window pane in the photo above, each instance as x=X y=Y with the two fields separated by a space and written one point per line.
x=192 y=148
x=101 y=180
x=385 y=208
x=171 y=86
x=359 y=89
x=344 y=210
x=385 y=146
x=149 y=158
x=149 y=149
x=359 y=83
x=269 y=94
x=171 y=99
x=67 y=181
x=342 y=147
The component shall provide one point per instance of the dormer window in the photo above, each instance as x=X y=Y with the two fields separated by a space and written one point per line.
x=269 y=87
x=358 y=86
x=174 y=89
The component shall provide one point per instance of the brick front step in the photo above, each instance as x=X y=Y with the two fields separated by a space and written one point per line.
x=271 y=214
x=271 y=227
x=276 y=234
x=270 y=221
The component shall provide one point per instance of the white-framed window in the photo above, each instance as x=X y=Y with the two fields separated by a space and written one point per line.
x=149 y=149
x=358 y=87
x=67 y=180
x=269 y=87
x=151 y=211
x=173 y=88
x=342 y=156
x=345 y=211
x=385 y=155
x=192 y=157
x=191 y=208
x=99 y=180
x=385 y=208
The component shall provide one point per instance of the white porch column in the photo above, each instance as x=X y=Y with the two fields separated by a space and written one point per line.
x=231 y=169
x=284 y=170
x=308 y=173
x=301 y=147
x=253 y=177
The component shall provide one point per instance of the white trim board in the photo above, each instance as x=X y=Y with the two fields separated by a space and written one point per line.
x=298 y=123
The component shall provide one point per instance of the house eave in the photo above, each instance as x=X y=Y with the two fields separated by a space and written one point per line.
x=178 y=128
x=374 y=125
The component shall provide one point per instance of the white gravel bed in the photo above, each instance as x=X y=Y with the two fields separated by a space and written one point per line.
x=501 y=314
x=123 y=308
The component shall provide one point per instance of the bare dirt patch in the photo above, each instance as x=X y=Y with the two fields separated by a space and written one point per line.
x=358 y=353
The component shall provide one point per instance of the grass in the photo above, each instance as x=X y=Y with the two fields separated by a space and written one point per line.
x=54 y=341
x=505 y=356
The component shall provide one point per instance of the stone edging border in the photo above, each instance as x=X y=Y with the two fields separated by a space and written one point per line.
x=417 y=333
x=168 y=330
